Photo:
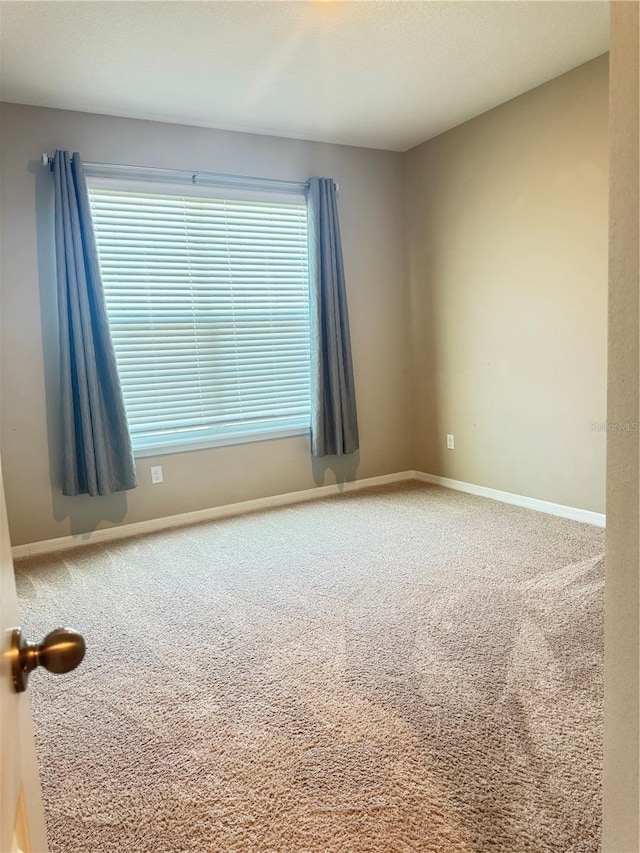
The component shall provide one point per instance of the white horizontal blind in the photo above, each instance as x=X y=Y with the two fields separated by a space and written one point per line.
x=208 y=306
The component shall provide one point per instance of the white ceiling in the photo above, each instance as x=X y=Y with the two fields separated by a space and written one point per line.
x=376 y=74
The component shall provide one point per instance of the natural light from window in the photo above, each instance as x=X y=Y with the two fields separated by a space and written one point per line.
x=208 y=304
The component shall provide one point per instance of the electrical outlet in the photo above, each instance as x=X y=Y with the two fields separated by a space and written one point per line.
x=450 y=442
x=156 y=474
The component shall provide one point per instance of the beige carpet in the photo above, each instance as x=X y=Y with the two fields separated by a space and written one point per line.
x=405 y=669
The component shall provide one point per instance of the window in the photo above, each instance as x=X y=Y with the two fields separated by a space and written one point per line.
x=208 y=304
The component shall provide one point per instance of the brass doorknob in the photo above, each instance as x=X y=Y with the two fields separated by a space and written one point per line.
x=60 y=651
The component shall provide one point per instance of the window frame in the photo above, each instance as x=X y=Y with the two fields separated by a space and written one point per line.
x=183 y=188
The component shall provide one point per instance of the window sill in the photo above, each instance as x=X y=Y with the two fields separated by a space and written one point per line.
x=207 y=443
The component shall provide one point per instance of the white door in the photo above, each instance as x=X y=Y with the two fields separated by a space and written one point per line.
x=22 y=825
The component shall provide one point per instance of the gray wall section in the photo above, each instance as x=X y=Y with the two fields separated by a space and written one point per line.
x=371 y=213
x=507 y=247
x=621 y=790
x=476 y=275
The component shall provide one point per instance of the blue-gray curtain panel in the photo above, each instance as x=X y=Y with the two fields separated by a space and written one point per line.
x=334 y=421
x=96 y=448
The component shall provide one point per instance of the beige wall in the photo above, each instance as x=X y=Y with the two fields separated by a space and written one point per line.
x=621 y=832
x=507 y=254
x=484 y=317
x=371 y=216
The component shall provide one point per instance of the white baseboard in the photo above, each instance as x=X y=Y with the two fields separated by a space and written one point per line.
x=124 y=531
x=573 y=513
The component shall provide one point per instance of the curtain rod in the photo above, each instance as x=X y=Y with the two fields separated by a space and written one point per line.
x=195 y=177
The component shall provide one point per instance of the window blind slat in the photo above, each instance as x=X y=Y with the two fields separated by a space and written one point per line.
x=208 y=304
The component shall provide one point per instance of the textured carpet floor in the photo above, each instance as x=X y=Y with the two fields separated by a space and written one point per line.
x=405 y=669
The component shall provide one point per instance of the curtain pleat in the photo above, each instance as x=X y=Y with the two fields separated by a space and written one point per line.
x=334 y=421
x=96 y=448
